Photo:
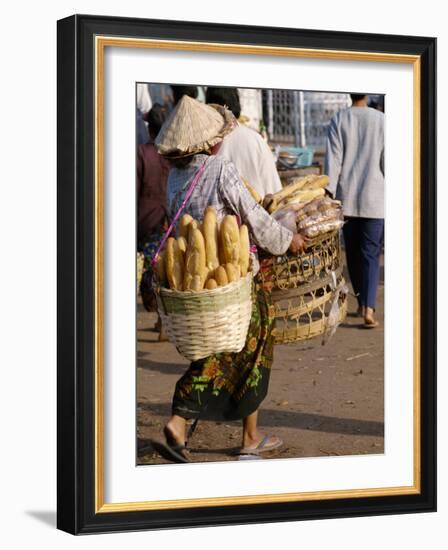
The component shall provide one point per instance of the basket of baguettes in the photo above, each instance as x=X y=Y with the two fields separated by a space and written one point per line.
x=308 y=290
x=203 y=286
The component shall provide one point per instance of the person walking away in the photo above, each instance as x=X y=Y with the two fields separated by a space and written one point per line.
x=245 y=147
x=224 y=386
x=355 y=165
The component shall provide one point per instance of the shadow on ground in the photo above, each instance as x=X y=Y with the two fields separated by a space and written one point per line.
x=273 y=418
x=164 y=368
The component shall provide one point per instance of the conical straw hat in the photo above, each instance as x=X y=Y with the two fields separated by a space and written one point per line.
x=193 y=127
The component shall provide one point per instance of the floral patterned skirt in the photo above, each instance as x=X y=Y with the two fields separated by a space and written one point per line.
x=231 y=386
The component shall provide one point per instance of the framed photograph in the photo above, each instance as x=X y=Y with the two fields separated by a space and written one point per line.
x=246 y=274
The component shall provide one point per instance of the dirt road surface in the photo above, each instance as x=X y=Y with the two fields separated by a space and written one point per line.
x=322 y=401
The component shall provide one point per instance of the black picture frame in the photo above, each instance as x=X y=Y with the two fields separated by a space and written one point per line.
x=76 y=511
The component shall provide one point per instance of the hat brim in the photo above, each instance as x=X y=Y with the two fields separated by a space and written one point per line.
x=229 y=123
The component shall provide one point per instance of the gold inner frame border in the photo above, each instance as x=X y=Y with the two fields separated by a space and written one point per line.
x=101 y=42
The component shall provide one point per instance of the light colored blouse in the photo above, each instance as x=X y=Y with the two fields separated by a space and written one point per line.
x=355 y=161
x=253 y=159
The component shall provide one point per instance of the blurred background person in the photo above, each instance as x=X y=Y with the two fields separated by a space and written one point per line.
x=144 y=104
x=179 y=92
x=161 y=94
x=142 y=130
x=152 y=175
x=355 y=164
x=245 y=147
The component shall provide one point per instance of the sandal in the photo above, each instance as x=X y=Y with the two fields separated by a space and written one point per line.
x=171 y=449
x=370 y=323
x=263 y=447
x=173 y=452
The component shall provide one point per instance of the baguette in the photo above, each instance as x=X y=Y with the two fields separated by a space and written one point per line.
x=188 y=280
x=232 y=272
x=272 y=202
x=194 y=258
x=160 y=268
x=197 y=283
x=183 y=225
x=194 y=224
x=221 y=276
x=230 y=239
x=174 y=264
x=312 y=183
x=252 y=191
x=244 y=250
x=295 y=185
x=182 y=244
x=211 y=284
x=210 y=231
x=317 y=182
x=221 y=256
x=306 y=195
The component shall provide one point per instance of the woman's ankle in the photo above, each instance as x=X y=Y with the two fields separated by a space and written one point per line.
x=250 y=438
x=176 y=426
x=368 y=312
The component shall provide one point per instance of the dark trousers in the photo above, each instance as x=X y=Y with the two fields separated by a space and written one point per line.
x=363 y=243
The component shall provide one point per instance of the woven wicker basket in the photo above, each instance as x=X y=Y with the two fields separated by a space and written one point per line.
x=303 y=288
x=302 y=313
x=285 y=272
x=203 y=323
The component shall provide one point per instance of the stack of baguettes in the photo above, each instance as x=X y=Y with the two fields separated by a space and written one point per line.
x=299 y=191
x=204 y=286
x=205 y=255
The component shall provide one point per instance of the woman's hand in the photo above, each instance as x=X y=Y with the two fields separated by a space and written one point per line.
x=298 y=244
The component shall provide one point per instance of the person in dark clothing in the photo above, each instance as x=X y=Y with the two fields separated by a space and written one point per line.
x=180 y=91
x=225 y=96
x=152 y=175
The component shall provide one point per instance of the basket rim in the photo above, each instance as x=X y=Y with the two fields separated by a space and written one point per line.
x=188 y=294
x=310 y=243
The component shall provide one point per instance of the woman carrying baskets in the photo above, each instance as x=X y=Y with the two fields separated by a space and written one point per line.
x=224 y=386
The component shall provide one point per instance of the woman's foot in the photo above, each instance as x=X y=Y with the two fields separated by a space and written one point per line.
x=174 y=449
x=254 y=442
x=257 y=443
x=174 y=432
x=369 y=321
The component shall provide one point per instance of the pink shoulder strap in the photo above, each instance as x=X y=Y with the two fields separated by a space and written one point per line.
x=179 y=212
